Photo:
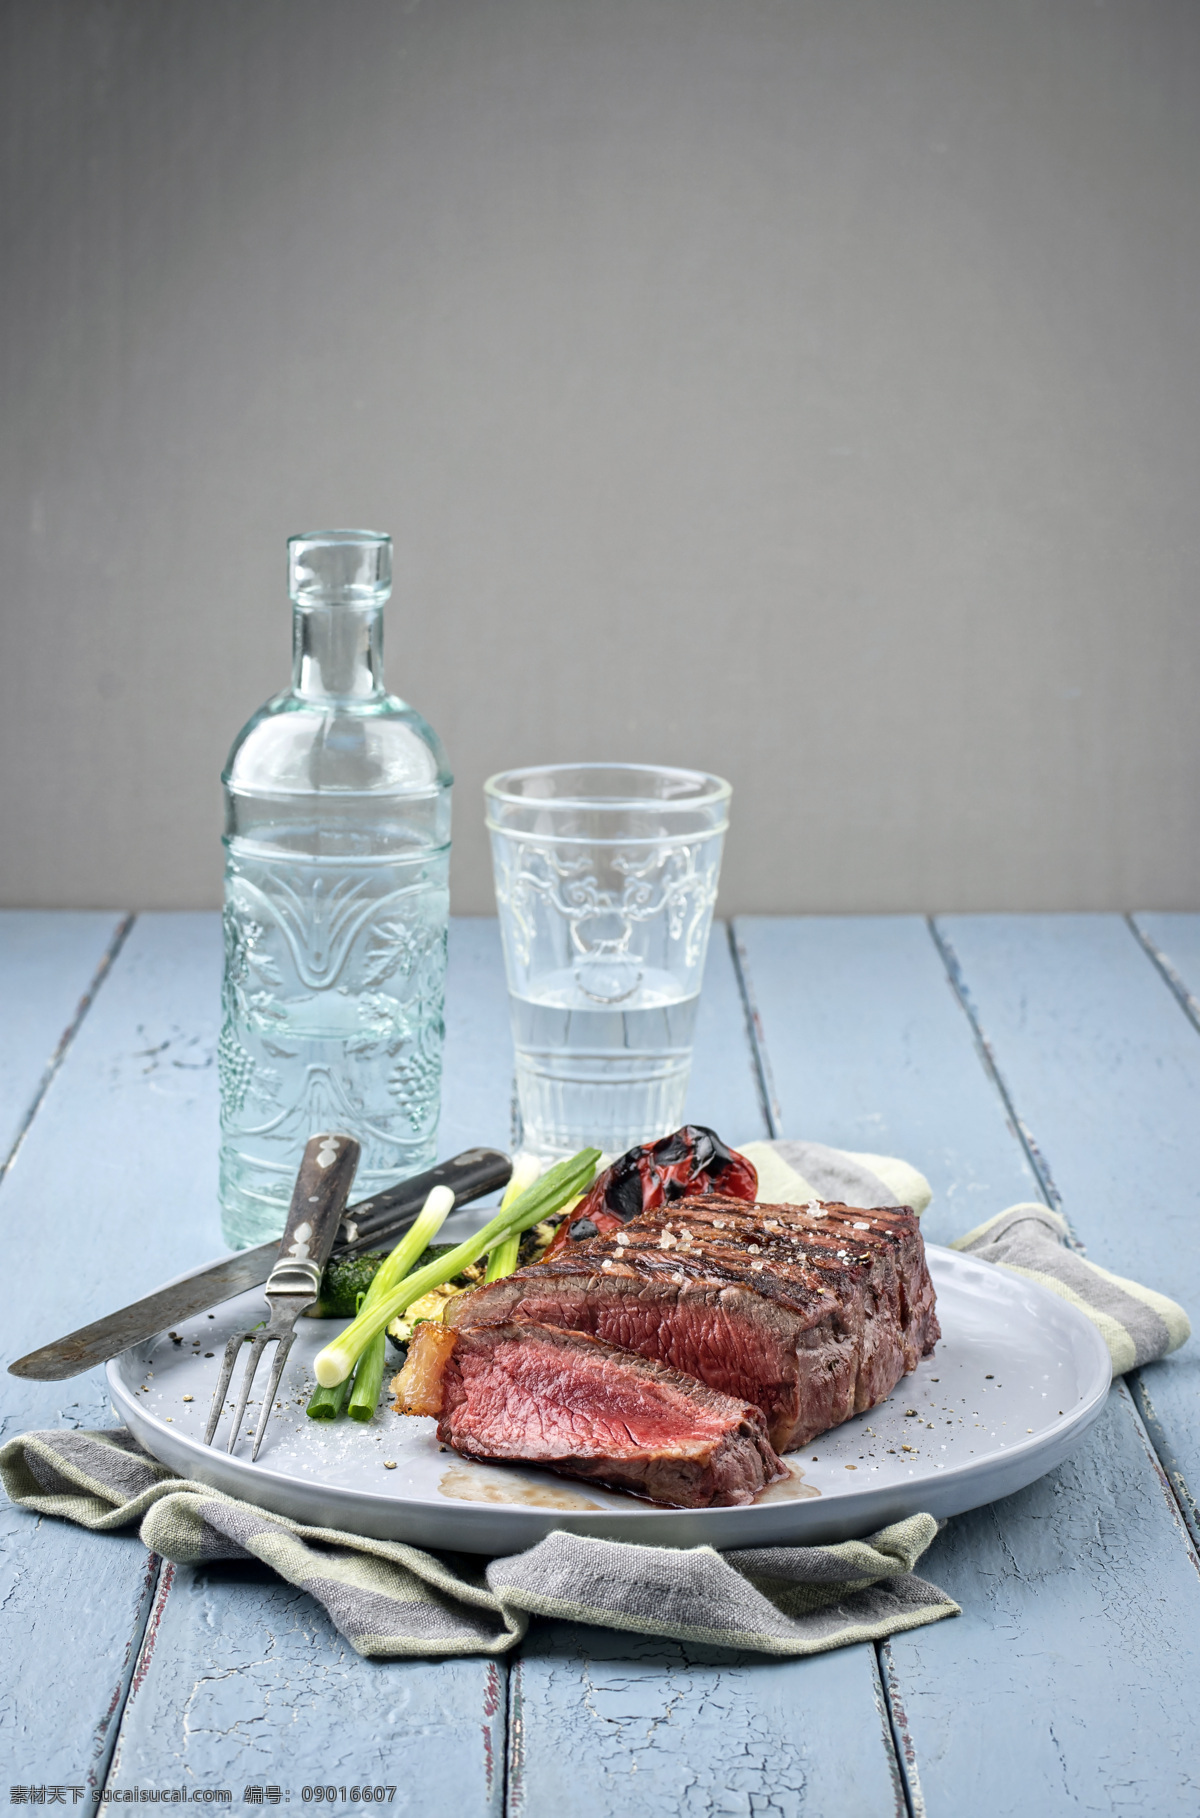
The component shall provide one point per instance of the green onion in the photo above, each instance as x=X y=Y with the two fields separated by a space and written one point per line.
x=547 y=1195
x=502 y=1258
x=438 y=1206
x=368 y=1379
x=327 y=1403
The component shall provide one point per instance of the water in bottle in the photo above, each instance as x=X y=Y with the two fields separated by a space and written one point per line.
x=337 y=845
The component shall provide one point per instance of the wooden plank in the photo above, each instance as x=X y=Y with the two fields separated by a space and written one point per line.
x=243 y=1681
x=868 y=1049
x=48 y=966
x=123 y=1152
x=1106 y=1071
x=614 y=1724
x=240 y=1727
x=75 y=1608
x=477 y=1075
x=876 y=1044
x=1173 y=941
x=227 y=1654
x=477 y=1071
x=724 y=1091
x=1068 y=1683
x=112 y=1191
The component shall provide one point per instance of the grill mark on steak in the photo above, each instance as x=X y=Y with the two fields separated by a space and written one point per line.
x=574 y=1405
x=813 y=1316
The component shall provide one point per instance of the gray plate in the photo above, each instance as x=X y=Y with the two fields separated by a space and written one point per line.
x=1017 y=1379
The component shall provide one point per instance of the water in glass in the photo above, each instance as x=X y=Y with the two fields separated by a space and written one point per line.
x=606 y=876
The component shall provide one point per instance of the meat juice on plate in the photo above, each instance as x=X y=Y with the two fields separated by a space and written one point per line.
x=600 y=1072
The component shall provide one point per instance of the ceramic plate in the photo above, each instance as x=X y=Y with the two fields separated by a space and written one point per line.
x=1017 y=1379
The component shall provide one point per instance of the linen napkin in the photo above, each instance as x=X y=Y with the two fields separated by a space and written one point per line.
x=393 y=1600
x=1137 y=1324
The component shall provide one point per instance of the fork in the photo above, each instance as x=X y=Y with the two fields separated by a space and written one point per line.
x=318 y=1201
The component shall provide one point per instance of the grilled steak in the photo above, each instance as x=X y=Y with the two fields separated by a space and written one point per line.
x=574 y=1405
x=811 y=1313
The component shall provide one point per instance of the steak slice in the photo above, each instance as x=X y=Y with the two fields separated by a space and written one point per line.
x=572 y=1404
x=812 y=1313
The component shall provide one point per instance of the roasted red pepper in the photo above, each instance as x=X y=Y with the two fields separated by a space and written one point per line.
x=689 y=1163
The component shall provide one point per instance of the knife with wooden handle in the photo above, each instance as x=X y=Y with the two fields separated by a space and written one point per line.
x=380 y=1219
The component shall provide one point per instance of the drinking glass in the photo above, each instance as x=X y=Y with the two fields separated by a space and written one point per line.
x=606 y=876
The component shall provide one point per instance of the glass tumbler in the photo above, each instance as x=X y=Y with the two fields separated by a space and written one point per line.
x=606 y=876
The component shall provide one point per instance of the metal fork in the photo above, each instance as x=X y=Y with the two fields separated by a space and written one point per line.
x=318 y=1201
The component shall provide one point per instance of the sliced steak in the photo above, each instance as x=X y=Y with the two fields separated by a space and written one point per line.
x=574 y=1405
x=813 y=1313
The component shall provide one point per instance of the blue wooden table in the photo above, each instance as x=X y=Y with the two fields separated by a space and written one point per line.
x=1009 y=1057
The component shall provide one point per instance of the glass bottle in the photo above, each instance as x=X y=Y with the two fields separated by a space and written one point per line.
x=337 y=841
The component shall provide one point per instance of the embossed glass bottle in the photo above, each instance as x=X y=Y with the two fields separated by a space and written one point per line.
x=337 y=840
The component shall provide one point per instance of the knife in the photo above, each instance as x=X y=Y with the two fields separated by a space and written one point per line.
x=383 y=1216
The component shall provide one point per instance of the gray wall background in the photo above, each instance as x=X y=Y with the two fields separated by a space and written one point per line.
x=805 y=389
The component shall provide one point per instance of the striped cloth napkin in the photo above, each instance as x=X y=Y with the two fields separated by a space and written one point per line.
x=391 y=1600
